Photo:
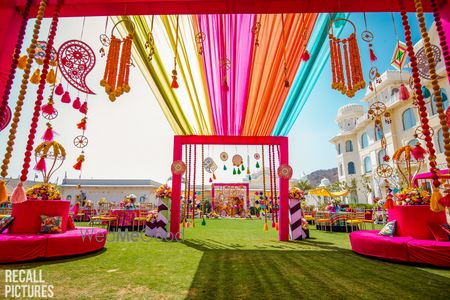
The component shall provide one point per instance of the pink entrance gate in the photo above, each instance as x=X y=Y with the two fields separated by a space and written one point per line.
x=238 y=185
x=281 y=141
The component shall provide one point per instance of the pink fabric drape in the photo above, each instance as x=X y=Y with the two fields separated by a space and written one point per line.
x=227 y=37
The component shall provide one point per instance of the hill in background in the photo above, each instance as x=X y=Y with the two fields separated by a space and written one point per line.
x=316 y=176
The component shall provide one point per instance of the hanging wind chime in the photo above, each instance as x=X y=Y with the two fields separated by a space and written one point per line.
x=345 y=52
x=117 y=71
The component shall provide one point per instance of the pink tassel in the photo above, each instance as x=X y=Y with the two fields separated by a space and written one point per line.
x=372 y=54
x=84 y=108
x=305 y=55
x=76 y=103
x=59 y=90
x=48 y=134
x=40 y=166
x=18 y=194
x=66 y=98
x=48 y=109
x=403 y=93
x=418 y=152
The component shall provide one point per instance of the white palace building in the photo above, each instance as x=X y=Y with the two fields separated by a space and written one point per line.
x=358 y=145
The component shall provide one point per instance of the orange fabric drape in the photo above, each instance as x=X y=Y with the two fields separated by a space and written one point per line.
x=267 y=90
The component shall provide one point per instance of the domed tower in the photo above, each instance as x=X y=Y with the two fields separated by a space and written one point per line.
x=347 y=116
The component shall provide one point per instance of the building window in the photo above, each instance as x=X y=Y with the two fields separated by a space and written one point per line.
x=408 y=119
x=381 y=155
x=348 y=146
x=351 y=168
x=364 y=140
x=440 y=141
x=367 y=165
x=378 y=132
x=340 y=170
x=339 y=148
x=433 y=103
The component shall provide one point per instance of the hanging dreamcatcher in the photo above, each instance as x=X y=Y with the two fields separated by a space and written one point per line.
x=210 y=167
x=345 y=52
x=238 y=164
x=117 y=71
x=257 y=156
x=422 y=61
x=224 y=158
x=104 y=40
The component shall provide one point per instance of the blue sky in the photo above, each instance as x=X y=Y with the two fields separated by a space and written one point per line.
x=132 y=139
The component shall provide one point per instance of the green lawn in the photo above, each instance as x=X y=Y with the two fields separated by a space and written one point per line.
x=230 y=259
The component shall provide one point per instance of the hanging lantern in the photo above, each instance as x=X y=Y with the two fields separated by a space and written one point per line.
x=54 y=155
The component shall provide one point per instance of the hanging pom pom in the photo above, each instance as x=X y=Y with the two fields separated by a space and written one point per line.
x=79 y=163
x=372 y=54
x=48 y=109
x=174 y=84
x=18 y=195
x=36 y=77
x=84 y=108
x=418 y=152
x=76 y=103
x=22 y=62
x=435 y=204
x=66 y=98
x=40 y=166
x=305 y=55
x=82 y=124
x=403 y=92
x=48 y=134
x=59 y=90
x=51 y=77
x=426 y=92
x=257 y=165
x=3 y=192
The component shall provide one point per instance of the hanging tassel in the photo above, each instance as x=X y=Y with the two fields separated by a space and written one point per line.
x=48 y=134
x=305 y=55
x=436 y=197
x=418 y=152
x=224 y=167
x=22 y=62
x=48 y=109
x=249 y=177
x=79 y=163
x=210 y=179
x=266 y=227
x=214 y=176
x=248 y=171
x=84 y=108
x=51 y=77
x=242 y=167
x=3 y=192
x=82 y=124
x=40 y=166
x=18 y=195
x=389 y=202
x=372 y=54
x=257 y=165
x=276 y=226
x=76 y=103
x=36 y=77
x=273 y=224
x=59 y=90
x=426 y=92
x=66 y=98
x=234 y=171
x=203 y=221
x=239 y=171
x=174 y=84
x=403 y=92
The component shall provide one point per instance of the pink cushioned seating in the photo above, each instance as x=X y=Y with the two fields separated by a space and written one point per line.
x=368 y=242
x=429 y=252
x=20 y=247
x=27 y=215
x=71 y=242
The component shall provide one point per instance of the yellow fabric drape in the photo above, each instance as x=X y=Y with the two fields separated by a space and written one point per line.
x=327 y=193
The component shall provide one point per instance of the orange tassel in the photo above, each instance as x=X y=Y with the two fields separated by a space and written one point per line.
x=51 y=77
x=22 y=62
x=389 y=202
x=174 y=84
x=435 y=204
x=36 y=77
x=82 y=124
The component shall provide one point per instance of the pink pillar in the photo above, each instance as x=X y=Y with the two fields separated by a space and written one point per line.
x=283 y=233
x=176 y=191
x=444 y=11
x=9 y=29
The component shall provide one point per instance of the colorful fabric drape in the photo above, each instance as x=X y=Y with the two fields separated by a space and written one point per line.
x=233 y=87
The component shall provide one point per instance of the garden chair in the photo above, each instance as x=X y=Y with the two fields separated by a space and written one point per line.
x=323 y=219
x=357 y=218
x=141 y=216
x=104 y=217
x=370 y=220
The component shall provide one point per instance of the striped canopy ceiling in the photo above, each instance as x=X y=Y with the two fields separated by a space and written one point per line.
x=236 y=84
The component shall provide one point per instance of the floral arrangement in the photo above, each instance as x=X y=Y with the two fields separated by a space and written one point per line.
x=151 y=217
x=127 y=203
x=296 y=193
x=102 y=201
x=164 y=191
x=331 y=207
x=43 y=191
x=412 y=196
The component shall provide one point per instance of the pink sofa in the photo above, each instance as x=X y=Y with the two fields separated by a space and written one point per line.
x=22 y=241
x=413 y=242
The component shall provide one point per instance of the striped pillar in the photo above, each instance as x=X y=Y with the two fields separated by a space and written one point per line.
x=295 y=214
x=161 y=221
